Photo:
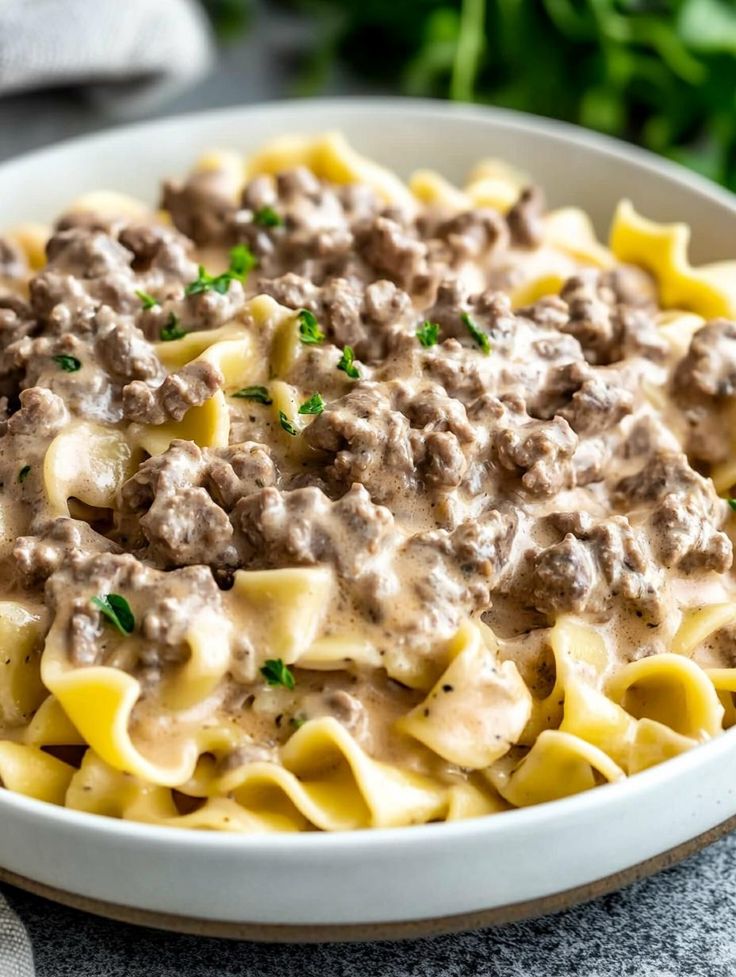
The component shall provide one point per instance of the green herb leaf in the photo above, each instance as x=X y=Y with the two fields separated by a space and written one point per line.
x=732 y=503
x=268 y=217
x=69 y=364
x=254 y=393
x=117 y=611
x=201 y=283
x=24 y=473
x=310 y=332
x=347 y=364
x=287 y=425
x=478 y=335
x=315 y=405
x=296 y=722
x=147 y=301
x=276 y=673
x=172 y=330
x=242 y=261
x=428 y=333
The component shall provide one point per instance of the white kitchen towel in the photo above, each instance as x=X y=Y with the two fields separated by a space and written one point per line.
x=16 y=956
x=129 y=54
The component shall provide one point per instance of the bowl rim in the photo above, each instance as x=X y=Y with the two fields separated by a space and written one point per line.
x=394 y=105
x=593 y=801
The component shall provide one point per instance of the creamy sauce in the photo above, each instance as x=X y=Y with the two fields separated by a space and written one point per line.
x=554 y=471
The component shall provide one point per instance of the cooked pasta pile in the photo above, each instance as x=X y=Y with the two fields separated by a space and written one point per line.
x=334 y=502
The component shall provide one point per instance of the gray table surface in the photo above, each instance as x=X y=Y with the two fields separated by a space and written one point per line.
x=681 y=923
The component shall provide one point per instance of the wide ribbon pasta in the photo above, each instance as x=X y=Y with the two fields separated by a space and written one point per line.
x=255 y=713
x=709 y=290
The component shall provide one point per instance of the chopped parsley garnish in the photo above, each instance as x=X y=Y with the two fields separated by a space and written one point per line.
x=276 y=673
x=347 y=364
x=428 y=333
x=242 y=261
x=732 y=503
x=24 y=473
x=117 y=611
x=254 y=393
x=287 y=425
x=296 y=722
x=315 y=405
x=478 y=335
x=309 y=329
x=147 y=301
x=268 y=217
x=172 y=330
x=69 y=364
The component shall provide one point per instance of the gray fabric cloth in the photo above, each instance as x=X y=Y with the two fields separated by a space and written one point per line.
x=127 y=54
x=16 y=956
x=681 y=923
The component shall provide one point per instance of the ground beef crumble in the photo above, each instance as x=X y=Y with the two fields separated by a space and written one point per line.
x=444 y=453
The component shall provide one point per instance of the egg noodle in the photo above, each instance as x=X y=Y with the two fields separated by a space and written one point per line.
x=239 y=597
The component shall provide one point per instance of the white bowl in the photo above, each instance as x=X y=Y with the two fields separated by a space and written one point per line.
x=393 y=881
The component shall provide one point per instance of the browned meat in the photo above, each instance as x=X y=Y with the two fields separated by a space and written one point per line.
x=13 y=262
x=384 y=303
x=588 y=571
x=203 y=206
x=85 y=268
x=61 y=542
x=291 y=290
x=600 y=401
x=708 y=370
x=631 y=286
x=429 y=408
x=483 y=546
x=16 y=318
x=341 y=303
x=193 y=529
x=607 y=332
x=189 y=387
x=459 y=375
x=238 y=470
x=563 y=576
x=304 y=527
x=164 y=605
x=42 y=414
x=123 y=349
x=665 y=472
x=539 y=451
x=686 y=537
x=158 y=248
x=175 y=508
x=394 y=253
x=474 y=233
x=590 y=317
x=368 y=442
x=525 y=218
x=703 y=386
x=298 y=184
x=686 y=513
x=16 y=323
x=350 y=313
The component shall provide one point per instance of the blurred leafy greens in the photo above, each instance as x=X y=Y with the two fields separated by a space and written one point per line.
x=658 y=72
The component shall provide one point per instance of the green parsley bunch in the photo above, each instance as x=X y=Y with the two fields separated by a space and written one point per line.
x=658 y=72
